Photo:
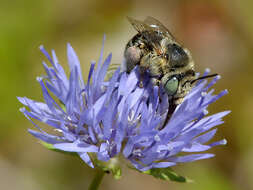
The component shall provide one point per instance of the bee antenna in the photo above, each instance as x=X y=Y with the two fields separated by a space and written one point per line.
x=204 y=77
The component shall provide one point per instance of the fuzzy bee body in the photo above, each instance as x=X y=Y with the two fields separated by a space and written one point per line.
x=157 y=52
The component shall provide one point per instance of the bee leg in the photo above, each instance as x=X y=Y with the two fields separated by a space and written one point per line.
x=172 y=107
x=132 y=55
x=144 y=65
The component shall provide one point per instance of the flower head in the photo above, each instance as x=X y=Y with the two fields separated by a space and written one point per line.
x=105 y=119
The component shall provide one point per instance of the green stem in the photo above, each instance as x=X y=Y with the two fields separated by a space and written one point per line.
x=97 y=180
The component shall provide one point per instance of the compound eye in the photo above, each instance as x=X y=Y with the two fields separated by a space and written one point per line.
x=177 y=55
x=171 y=86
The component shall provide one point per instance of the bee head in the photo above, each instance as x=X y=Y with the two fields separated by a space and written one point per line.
x=173 y=84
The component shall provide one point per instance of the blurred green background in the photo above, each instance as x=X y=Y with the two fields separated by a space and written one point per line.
x=219 y=35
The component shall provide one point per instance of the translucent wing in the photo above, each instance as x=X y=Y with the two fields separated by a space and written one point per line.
x=149 y=32
x=111 y=69
x=157 y=26
x=139 y=26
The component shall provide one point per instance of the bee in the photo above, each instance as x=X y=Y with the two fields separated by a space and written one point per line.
x=159 y=54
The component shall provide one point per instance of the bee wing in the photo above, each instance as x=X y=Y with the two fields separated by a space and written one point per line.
x=148 y=32
x=139 y=26
x=157 y=26
x=111 y=69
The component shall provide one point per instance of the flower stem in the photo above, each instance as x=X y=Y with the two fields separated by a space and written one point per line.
x=97 y=180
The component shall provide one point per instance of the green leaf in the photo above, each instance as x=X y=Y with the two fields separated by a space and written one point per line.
x=167 y=174
x=51 y=147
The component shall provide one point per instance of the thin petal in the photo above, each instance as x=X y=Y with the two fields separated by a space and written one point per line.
x=85 y=157
x=191 y=158
x=76 y=147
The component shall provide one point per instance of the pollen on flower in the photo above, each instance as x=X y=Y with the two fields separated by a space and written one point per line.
x=157 y=138
x=205 y=112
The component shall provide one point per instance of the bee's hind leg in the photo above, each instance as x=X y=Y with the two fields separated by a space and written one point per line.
x=132 y=56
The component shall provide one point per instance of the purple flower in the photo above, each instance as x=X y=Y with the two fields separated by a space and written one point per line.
x=101 y=120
